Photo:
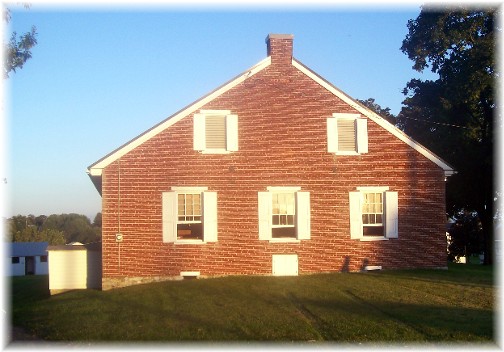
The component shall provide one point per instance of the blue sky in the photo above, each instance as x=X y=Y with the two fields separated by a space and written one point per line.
x=100 y=76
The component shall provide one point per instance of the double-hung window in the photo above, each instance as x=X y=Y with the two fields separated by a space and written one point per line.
x=373 y=213
x=284 y=214
x=215 y=132
x=347 y=134
x=189 y=215
x=189 y=225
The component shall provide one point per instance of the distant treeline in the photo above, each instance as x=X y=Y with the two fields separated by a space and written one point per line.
x=55 y=229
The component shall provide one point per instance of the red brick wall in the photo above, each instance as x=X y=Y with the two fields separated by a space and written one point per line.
x=282 y=142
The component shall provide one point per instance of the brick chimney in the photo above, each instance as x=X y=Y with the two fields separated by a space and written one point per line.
x=279 y=47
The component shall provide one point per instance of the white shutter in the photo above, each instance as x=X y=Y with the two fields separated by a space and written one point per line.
x=362 y=135
x=232 y=133
x=264 y=203
x=169 y=216
x=199 y=132
x=391 y=215
x=303 y=215
x=210 y=216
x=332 y=135
x=355 y=215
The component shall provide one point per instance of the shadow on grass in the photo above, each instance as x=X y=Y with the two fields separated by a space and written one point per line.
x=341 y=308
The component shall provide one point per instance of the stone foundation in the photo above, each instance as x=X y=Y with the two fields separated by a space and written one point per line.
x=110 y=283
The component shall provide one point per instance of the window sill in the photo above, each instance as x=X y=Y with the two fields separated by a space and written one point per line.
x=215 y=151
x=189 y=242
x=347 y=153
x=284 y=240
x=373 y=238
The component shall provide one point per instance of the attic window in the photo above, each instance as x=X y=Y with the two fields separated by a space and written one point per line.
x=347 y=134
x=215 y=132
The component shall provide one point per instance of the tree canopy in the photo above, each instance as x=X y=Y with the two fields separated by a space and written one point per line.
x=18 y=49
x=371 y=104
x=454 y=116
x=55 y=229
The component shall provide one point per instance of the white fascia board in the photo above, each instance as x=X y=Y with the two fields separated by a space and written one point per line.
x=376 y=118
x=96 y=168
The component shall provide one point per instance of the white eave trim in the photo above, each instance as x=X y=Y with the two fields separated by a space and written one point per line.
x=96 y=169
x=376 y=118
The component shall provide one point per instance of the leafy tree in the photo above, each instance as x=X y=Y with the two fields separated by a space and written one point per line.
x=18 y=50
x=76 y=227
x=32 y=234
x=55 y=229
x=375 y=107
x=97 y=225
x=97 y=222
x=466 y=235
x=454 y=115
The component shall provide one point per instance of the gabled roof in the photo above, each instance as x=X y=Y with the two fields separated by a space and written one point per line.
x=28 y=249
x=95 y=170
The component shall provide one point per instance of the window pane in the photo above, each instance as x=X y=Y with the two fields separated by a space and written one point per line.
x=370 y=197
x=190 y=231
x=291 y=205
x=189 y=204
x=283 y=220
x=275 y=207
x=181 y=204
x=379 y=219
x=197 y=204
x=372 y=231
x=283 y=232
x=276 y=220
x=290 y=219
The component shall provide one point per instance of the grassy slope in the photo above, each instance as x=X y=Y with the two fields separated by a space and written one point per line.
x=390 y=306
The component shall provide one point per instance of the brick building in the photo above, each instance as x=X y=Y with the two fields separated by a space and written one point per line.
x=277 y=172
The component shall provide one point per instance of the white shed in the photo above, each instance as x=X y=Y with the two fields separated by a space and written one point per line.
x=75 y=266
x=27 y=258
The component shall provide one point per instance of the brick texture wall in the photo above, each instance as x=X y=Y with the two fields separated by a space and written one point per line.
x=282 y=142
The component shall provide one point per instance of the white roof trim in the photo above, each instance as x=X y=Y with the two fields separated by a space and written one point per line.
x=96 y=168
x=376 y=118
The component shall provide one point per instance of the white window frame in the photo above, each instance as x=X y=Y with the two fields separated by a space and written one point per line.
x=170 y=215
x=361 y=134
x=390 y=213
x=199 y=132
x=301 y=219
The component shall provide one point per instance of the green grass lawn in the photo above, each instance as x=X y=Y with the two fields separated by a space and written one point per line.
x=410 y=306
